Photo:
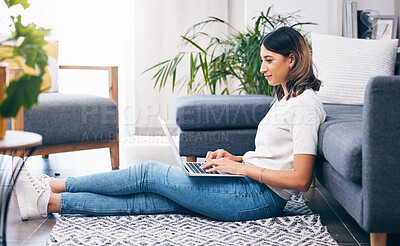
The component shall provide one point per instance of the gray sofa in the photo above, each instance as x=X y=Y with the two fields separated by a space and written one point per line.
x=358 y=150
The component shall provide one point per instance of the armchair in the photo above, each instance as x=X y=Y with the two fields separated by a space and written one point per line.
x=71 y=122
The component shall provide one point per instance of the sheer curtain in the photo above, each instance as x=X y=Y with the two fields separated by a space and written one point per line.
x=159 y=26
x=132 y=34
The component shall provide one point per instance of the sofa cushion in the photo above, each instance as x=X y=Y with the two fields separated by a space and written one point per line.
x=340 y=140
x=345 y=65
x=70 y=118
x=216 y=112
x=198 y=143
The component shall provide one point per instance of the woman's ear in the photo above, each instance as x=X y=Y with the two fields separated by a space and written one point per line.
x=292 y=60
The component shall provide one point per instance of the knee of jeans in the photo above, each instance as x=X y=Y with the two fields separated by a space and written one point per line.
x=282 y=204
x=279 y=202
x=144 y=167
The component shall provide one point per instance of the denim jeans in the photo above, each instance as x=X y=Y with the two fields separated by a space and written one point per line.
x=156 y=188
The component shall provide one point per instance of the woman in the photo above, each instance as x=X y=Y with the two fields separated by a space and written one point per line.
x=281 y=165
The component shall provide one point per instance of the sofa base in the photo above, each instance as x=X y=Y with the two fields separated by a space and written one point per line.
x=336 y=184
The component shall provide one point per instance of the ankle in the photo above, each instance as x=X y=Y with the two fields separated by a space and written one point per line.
x=54 y=205
x=57 y=185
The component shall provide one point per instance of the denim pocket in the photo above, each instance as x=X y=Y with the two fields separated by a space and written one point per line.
x=254 y=214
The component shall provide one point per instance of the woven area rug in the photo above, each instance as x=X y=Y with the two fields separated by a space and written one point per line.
x=298 y=226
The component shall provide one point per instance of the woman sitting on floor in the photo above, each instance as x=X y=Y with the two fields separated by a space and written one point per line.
x=281 y=165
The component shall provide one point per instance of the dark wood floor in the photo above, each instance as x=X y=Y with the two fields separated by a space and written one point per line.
x=35 y=232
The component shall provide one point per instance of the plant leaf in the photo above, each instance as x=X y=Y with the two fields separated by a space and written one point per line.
x=157 y=65
x=194 y=44
x=24 y=3
x=167 y=72
x=303 y=23
x=31 y=49
x=21 y=92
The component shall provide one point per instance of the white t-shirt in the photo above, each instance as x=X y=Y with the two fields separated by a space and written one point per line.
x=290 y=127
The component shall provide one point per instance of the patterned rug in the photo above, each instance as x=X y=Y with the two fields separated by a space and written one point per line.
x=298 y=226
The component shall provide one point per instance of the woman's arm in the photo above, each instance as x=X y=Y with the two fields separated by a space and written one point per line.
x=298 y=179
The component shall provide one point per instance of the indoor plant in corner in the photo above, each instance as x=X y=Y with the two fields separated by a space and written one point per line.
x=236 y=56
x=27 y=41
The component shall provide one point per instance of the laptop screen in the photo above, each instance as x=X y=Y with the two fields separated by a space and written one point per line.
x=171 y=141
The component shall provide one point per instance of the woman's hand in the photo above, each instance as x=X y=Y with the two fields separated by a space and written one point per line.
x=221 y=153
x=225 y=165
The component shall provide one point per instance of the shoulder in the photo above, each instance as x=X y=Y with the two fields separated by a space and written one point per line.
x=309 y=103
x=307 y=98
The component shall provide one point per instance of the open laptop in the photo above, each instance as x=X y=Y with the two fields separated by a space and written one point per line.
x=191 y=168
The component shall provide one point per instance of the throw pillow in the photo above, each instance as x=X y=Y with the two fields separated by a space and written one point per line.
x=345 y=65
x=50 y=77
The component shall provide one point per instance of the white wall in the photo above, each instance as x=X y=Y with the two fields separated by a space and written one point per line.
x=384 y=7
x=237 y=14
x=318 y=11
x=327 y=13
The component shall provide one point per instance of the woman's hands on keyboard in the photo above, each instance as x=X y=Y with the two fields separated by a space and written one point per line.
x=221 y=153
x=222 y=160
x=225 y=165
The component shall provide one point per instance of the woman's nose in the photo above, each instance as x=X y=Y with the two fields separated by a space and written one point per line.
x=263 y=68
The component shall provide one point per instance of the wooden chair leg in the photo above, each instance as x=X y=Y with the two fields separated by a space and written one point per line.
x=20 y=153
x=312 y=185
x=114 y=154
x=378 y=239
x=191 y=158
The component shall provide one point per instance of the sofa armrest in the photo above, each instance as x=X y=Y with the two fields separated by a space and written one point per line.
x=220 y=112
x=381 y=154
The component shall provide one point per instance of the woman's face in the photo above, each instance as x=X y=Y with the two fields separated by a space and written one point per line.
x=275 y=67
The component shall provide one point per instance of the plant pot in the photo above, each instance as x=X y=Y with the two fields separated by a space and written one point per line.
x=3 y=84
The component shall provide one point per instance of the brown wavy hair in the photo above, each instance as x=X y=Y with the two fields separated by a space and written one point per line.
x=287 y=41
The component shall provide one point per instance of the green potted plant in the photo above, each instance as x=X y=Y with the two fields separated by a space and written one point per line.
x=27 y=41
x=236 y=56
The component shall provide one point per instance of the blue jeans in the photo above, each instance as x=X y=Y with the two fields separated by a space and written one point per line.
x=155 y=188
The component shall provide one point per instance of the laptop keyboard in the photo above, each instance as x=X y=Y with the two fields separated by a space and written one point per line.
x=195 y=167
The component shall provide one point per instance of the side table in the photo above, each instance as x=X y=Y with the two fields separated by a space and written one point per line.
x=14 y=143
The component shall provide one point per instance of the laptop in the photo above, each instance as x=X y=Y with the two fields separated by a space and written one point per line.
x=191 y=168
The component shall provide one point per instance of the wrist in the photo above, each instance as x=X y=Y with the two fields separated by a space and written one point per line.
x=260 y=179
x=238 y=159
x=245 y=169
